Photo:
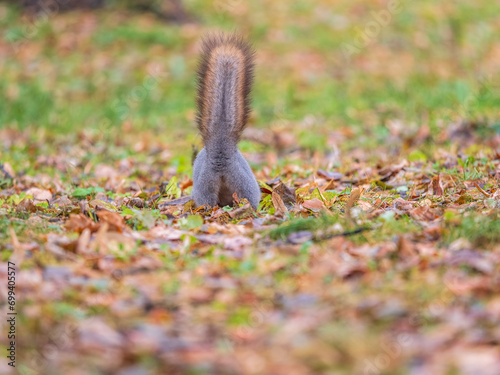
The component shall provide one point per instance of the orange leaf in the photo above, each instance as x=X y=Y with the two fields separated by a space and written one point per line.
x=115 y=221
x=353 y=198
x=80 y=222
x=278 y=204
x=436 y=187
x=313 y=204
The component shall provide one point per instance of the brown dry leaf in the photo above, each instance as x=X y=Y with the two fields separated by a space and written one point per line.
x=185 y=184
x=365 y=206
x=459 y=284
x=331 y=185
x=7 y=170
x=40 y=195
x=286 y=194
x=237 y=243
x=473 y=259
x=242 y=212
x=190 y=206
x=79 y=222
x=332 y=176
x=63 y=201
x=405 y=247
x=390 y=170
x=26 y=205
x=19 y=252
x=423 y=213
x=433 y=232
x=83 y=241
x=235 y=198
x=113 y=219
x=436 y=187
x=222 y=217
x=351 y=270
x=313 y=204
x=278 y=204
x=106 y=172
x=353 y=198
x=402 y=204
x=136 y=202
x=496 y=194
x=161 y=231
x=173 y=211
x=94 y=203
x=175 y=202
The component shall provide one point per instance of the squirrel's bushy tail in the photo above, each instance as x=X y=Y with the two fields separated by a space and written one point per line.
x=225 y=77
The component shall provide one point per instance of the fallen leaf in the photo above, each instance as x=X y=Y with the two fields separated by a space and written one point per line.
x=40 y=195
x=278 y=204
x=26 y=205
x=63 y=201
x=105 y=171
x=176 y=202
x=79 y=222
x=7 y=170
x=235 y=198
x=286 y=194
x=313 y=204
x=331 y=185
x=333 y=176
x=113 y=219
x=353 y=198
x=435 y=186
x=237 y=243
x=423 y=213
x=242 y=212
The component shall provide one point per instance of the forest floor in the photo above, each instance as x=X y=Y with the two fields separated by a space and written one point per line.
x=376 y=246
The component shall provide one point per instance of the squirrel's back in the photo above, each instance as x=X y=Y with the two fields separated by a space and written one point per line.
x=225 y=77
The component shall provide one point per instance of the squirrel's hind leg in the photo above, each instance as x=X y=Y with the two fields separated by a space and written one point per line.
x=206 y=183
x=243 y=182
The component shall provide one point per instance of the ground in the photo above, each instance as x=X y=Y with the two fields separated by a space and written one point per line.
x=375 y=136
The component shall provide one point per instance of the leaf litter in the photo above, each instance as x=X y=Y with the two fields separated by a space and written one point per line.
x=135 y=270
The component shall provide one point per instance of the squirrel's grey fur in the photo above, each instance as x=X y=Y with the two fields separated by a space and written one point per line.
x=225 y=77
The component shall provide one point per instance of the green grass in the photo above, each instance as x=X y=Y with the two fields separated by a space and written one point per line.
x=481 y=231
x=77 y=94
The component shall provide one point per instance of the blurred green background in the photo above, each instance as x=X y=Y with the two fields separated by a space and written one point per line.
x=322 y=65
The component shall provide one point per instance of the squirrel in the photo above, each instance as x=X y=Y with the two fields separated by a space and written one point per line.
x=225 y=78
